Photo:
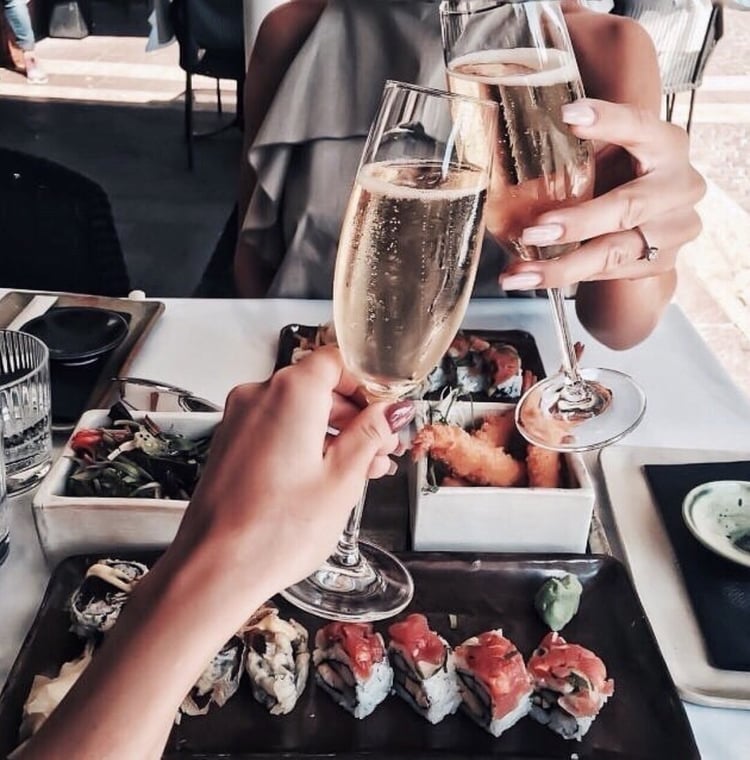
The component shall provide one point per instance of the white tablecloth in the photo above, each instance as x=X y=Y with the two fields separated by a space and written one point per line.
x=211 y=345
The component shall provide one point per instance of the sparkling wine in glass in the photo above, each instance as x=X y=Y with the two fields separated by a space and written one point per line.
x=405 y=268
x=519 y=55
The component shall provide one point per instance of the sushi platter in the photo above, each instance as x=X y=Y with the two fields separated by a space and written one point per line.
x=461 y=596
x=469 y=367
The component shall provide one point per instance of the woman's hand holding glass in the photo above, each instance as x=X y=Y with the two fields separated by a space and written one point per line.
x=660 y=200
x=405 y=268
x=286 y=423
x=520 y=55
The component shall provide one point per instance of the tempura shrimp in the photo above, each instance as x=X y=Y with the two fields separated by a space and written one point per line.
x=543 y=467
x=497 y=429
x=468 y=457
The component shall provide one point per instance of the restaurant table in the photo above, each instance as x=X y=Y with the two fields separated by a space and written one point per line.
x=209 y=346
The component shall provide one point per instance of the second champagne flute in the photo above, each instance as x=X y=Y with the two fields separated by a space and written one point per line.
x=519 y=54
x=405 y=269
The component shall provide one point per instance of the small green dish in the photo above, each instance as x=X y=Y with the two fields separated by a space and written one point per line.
x=718 y=515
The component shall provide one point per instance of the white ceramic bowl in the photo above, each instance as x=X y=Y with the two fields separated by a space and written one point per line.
x=77 y=525
x=718 y=515
x=476 y=518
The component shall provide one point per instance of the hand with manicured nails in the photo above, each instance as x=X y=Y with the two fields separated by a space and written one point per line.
x=660 y=199
x=275 y=468
x=269 y=507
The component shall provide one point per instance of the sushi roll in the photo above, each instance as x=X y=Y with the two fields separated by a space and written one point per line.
x=218 y=682
x=351 y=665
x=495 y=687
x=423 y=670
x=96 y=603
x=277 y=660
x=570 y=686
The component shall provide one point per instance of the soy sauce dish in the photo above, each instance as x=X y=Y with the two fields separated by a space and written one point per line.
x=78 y=335
x=718 y=515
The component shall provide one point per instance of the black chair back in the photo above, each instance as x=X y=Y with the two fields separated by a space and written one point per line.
x=211 y=37
x=56 y=230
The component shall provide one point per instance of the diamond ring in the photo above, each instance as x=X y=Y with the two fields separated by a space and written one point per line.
x=650 y=252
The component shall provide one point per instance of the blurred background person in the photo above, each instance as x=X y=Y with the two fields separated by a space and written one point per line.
x=314 y=81
x=19 y=20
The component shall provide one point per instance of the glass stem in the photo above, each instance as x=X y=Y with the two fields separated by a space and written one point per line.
x=347 y=550
x=573 y=377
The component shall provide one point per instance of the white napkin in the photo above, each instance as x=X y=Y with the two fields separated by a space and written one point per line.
x=35 y=308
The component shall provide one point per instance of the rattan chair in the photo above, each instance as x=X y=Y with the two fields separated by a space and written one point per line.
x=56 y=230
x=211 y=37
x=685 y=33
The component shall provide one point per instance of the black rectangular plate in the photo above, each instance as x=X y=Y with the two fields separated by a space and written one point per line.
x=522 y=341
x=643 y=720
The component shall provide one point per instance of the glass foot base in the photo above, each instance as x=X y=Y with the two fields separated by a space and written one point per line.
x=611 y=407
x=379 y=588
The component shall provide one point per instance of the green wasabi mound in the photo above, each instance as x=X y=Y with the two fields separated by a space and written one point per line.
x=557 y=600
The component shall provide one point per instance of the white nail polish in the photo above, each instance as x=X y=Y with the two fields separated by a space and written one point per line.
x=522 y=281
x=542 y=234
x=578 y=114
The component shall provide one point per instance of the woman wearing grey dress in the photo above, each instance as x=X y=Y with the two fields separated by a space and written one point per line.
x=314 y=81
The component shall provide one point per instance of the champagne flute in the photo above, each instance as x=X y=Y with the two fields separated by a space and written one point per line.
x=519 y=55
x=405 y=268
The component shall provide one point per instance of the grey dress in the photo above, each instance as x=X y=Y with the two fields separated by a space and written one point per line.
x=308 y=148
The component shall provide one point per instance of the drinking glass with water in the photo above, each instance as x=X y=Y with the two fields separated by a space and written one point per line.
x=25 y=408
x=4 y=515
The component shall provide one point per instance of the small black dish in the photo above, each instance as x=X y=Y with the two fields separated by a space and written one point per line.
x=78 y=334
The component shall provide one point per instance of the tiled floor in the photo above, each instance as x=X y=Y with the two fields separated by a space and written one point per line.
x=114 y=111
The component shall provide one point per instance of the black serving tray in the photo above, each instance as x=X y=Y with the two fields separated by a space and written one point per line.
x=89 y=386
x=291 y=336
x=644 y=719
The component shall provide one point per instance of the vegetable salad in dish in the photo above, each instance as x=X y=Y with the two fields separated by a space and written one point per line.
x=135 y=459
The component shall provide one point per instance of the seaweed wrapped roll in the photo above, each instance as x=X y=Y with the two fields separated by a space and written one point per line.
x=570 y=686
x=96 y=603
x=277 y=661
x=351 y=665
x=495 y=686
x=423 y=671
x=218 y=682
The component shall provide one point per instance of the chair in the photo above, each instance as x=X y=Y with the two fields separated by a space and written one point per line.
x=685 y=33
x=211 y=37
x=56 y=230
x=217 y=280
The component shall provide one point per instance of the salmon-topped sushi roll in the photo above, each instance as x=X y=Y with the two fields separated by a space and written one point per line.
x=570 y=686
x=351 y=665
x=424 y=673
x=495 y=686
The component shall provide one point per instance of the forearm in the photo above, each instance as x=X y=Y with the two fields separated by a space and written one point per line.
x=619 y=313
x=622 y=313
x=178 y=617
